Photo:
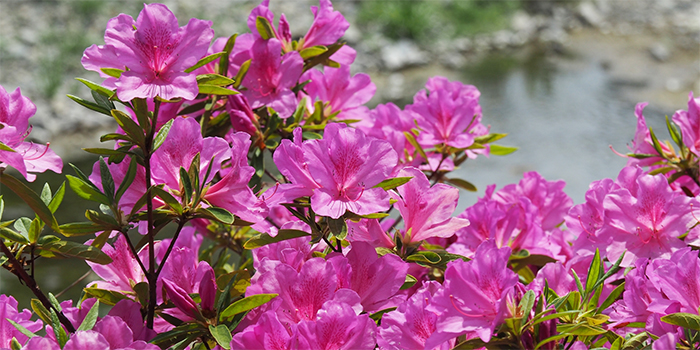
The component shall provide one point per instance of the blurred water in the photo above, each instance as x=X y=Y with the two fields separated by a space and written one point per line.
x=563 y=114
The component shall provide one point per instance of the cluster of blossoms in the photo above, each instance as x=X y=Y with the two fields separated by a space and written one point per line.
x=306 y=251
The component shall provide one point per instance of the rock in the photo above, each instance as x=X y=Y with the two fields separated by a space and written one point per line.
x=589 y=12
x=659 y=52
x=522 y=22
x=402 y=54
x=673 y=85
x=395 y=86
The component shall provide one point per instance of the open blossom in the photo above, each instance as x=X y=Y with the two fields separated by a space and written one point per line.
x=8 y=311
x=271 y=77
x=343 y=95
x=25 y=157
x=154 y=51
x=689 y=122
x=346 y=164
x=427 y=211
x=447 y=113
x=473 y=298
x=645 y=219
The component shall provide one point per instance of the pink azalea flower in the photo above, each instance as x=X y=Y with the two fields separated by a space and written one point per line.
x=642 y=143
x=411 y=324
x=473 y=297
x=678 y=278
x=155 y=51
x=347 y=165
x=268 y=333
x=8 y=311
x=689 y=122
x=27 y=158
x=427 y=210
x=646 y=220
x=447 y=113
x=557 y=277
x=271 y=77
x=389 y=122
x=337 y=326
x=585 y=220
x=342 y=94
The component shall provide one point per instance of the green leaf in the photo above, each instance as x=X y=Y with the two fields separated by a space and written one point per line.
x=409 y=282
x=377 y=316
x=550 y=339
x=162 y=134
x=526 y=305
x=685 y=320
x=264 y=239
x=85 y=191
x=128 y=179
x=32 y=199
x=4 y=147
x=310 y=135
x=90 y=105
x=101 y=239
x=103 y=151
x=612 y=297
x=214 y=79
x=81 y=228
x=635 y=341
x=555 y=315
x=77 y=250
x=141 y=111
x=498 y=150
x=186 y=185
x=312 y=51
x=168 y=199
x=222 y=335
x=223 y=61
x=108 y=297
x=489 y=138
x=464 y=184
x=115 y=137
x=107 y=180
x=46 y=194
x=655 y=142
x=56 y=199
x=583 y=329
x=338 y=227
x=245 y=304
x=90 y=318
x=40 y=310
x=595 y=272
x=58 y=330
x=675 y=132
x=13 y=236
x=97 y=88
x=216 y=213
x=425 y=256
x=133 y=130
x=264 y=28
x=241 y=73
x=216 y=90
x=204 y=60
x=412 y=140
x=21 y=329
x=393 y=182
x=112 y=72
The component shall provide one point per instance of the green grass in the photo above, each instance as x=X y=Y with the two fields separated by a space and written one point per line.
x=427 y=20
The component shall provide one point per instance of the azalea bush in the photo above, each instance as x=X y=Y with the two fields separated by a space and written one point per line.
x=249 y=199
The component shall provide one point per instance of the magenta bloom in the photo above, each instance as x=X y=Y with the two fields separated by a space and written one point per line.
x=646 y=220
x=347 y=165
x=337 y=326
x=155 y=51
x=271 y=77
x=411 y=324
x=427 y=211
x=447 y=113
x=8 y=311
x=341 y=93
x=28 y=157
x=689 y=122
x=473 y=297
x=642 y=144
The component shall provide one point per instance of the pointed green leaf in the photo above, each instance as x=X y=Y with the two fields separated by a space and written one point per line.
x=312 y=51
x=46 y=194
x=186 y=185
x=526 y=305
x=77 y=250
x=241 y=74
x=264 y=239
x=498 y=150
x=103 y=151
x=214 y=79
x=168 y=199
x=13 y=236
x=215 y=213
x=130 y=127
x=216 y=90
x=409 y=282
x=108 y=297
x=85 y=191
x=4 y=147
x=264 y=28
x=222 y=335
x=675 y=132
x=59 y=332
x=112 y=72
x=21 y=329
x=489 y=138
x=412 y=140
x=685 y=320
x=394 y=182
x=40 y=311
x=128 y=179
x=204 y=60
x=57 y=198
x=464 y=184
x=32 y=199
x=245 y=304
x=595 y=271
x=81 y=228
x=90 y=318
x=90 y=105
x=97 y=88
x=425 y=257
x=107 y=180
